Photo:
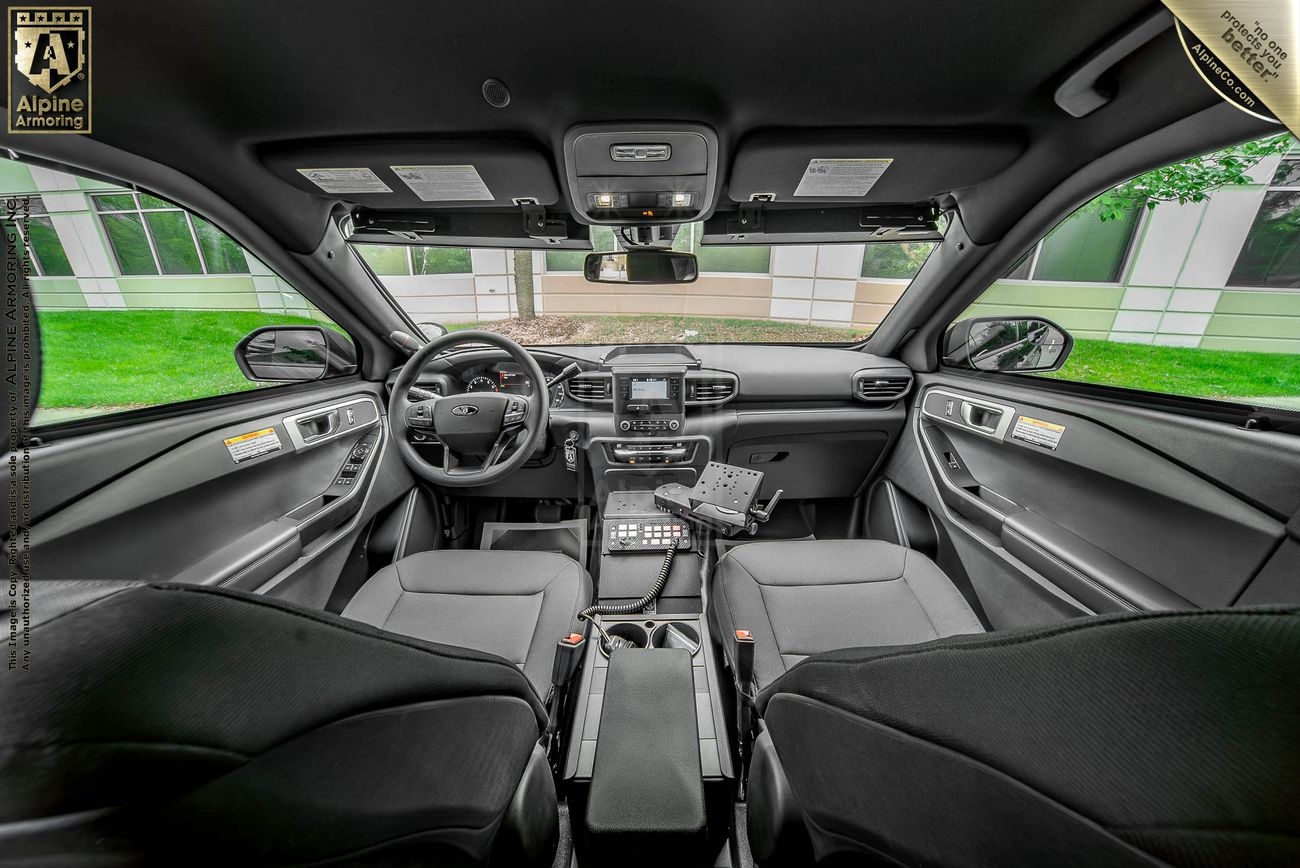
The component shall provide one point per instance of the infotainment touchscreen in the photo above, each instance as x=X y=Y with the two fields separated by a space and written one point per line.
x=649 y=389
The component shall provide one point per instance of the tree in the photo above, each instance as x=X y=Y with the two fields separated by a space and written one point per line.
x=1188 y=181
x=524 y=284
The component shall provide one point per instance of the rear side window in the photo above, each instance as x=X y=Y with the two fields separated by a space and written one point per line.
x=1184 y=281
x=140 y=302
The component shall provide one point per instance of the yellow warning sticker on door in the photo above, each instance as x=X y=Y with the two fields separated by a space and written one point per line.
x=253 y=444
x=1038 y=432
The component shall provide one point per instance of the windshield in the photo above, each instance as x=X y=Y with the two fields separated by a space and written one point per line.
x=811 y=293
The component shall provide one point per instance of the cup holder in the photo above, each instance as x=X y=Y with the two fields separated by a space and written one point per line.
x=634 y=633
x=675 y=634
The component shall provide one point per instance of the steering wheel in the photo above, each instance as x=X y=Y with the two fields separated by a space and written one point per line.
x=476 y=429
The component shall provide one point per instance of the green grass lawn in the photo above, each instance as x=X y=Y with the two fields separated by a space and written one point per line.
x=121 y=359
x=1183 y=370
x=134 y=358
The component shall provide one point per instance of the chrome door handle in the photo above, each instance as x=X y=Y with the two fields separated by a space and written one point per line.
x=318 y=426
x=988 y=423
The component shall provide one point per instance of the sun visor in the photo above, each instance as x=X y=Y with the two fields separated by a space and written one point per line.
x=865 y=166
x=418 y=174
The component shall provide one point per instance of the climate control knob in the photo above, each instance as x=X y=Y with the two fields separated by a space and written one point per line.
x=625 y=425
x=673 y=424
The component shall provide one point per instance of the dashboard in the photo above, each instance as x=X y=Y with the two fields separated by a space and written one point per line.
x=816 y=420
x=757 y=374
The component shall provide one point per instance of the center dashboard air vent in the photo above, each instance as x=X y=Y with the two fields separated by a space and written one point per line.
x=589 y=387
x=881 y=385
x=710 y=390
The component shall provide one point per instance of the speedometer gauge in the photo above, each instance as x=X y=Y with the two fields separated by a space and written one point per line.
x=481 y=384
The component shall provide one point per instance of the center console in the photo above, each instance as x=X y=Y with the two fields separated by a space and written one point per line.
x=648 y=766
x=649 y=769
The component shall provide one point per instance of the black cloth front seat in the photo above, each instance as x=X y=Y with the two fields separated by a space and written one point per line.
x=192 y=725
x=806 y=596
x=514 y=604
x=1125 y=740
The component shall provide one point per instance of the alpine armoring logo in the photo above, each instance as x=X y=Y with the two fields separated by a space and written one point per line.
x=49 y=82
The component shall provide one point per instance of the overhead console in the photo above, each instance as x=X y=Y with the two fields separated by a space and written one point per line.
x=641 y=174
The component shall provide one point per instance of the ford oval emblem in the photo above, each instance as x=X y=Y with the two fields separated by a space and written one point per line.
x=464 y=410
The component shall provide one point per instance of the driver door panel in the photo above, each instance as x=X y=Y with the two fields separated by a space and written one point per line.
x=190 y=512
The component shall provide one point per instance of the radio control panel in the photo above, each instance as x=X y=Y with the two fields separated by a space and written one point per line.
x=649 y=402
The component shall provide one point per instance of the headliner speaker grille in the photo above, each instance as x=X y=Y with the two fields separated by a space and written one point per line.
x=496 y=93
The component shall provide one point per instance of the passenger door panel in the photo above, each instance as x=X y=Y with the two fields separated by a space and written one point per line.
x=1107 y=507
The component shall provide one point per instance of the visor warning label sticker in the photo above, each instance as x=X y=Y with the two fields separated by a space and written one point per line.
x=841 y=177
x=253 y=444
x=1038 y=432
x=445 y=183
x=345 y=180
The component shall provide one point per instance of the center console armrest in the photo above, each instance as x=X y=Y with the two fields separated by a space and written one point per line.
x=647 y=794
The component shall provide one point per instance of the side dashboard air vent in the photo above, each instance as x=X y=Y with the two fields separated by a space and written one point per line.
x=710 y=390
x=880 y=385
x=588 y=388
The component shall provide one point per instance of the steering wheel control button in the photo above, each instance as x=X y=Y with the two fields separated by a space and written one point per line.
x=420 y=416
x=516 y=409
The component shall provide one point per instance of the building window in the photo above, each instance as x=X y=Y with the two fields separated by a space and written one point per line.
x=397 y=259
x=1270 y=256
x=1081 y=249
x=43 y=245
x=149 y=235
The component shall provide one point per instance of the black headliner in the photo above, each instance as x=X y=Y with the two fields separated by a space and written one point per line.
x=234 y=79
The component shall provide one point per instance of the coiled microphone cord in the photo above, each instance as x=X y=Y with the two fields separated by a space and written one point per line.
x=637 y=605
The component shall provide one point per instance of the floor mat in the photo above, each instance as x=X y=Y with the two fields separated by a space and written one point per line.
x=565 y=537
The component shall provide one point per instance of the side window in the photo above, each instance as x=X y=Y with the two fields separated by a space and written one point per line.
x=1183 y=281
x=140 y=303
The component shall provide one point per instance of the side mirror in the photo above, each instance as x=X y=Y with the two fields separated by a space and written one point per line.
x=291 y=354
x=641 y=266
x=432 y=330
x=1019 y=344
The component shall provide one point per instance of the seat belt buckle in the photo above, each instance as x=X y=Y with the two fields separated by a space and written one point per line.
x=743 y=655
x=568 y=654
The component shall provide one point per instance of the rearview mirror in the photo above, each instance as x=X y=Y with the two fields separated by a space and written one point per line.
x=1019 y=344
x=291 y=354
x=641 y=266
